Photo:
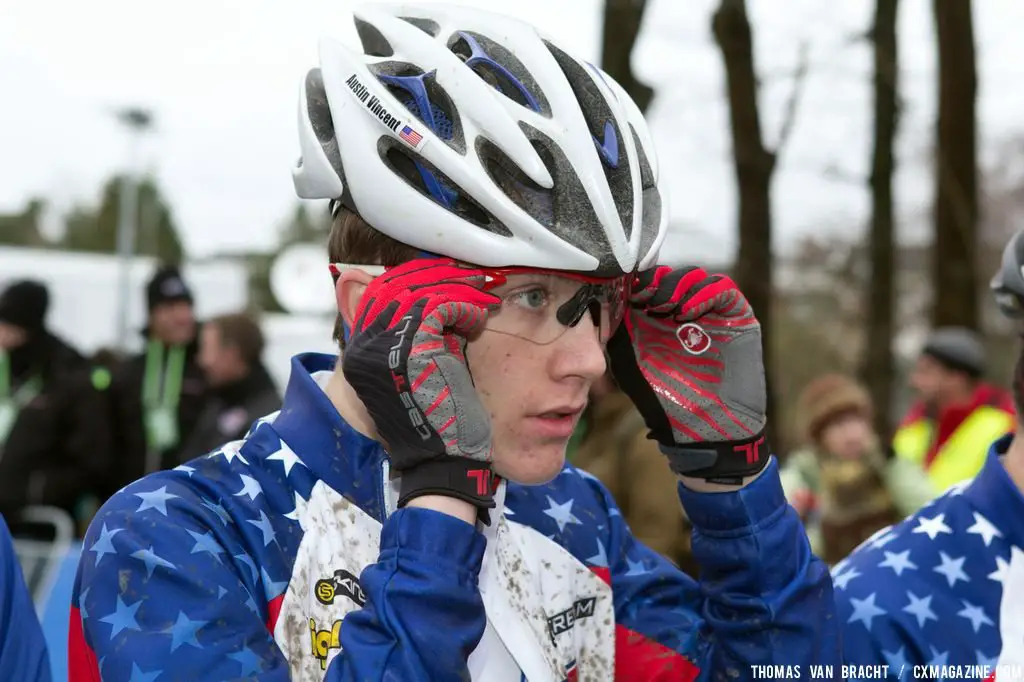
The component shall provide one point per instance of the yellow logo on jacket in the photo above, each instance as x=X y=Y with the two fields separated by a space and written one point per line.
x=322 y=641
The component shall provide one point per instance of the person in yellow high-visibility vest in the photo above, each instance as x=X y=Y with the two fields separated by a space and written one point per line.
x=957 y=416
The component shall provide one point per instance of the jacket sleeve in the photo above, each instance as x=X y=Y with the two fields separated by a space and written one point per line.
x=164 y=590
x=176 y=596
x=424 y=614
x=763 y=598
x=23 y=650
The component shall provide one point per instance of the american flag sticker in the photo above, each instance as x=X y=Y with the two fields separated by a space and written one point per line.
x=410 y=135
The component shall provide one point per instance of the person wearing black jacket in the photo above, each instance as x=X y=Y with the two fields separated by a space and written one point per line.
x=230 y=351
x=157 y=395
x=54 y=429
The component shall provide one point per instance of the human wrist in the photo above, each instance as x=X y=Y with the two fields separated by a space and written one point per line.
x=701 y=485
x=459 y=479
x=446 y=505
x=759 y=502
x=722 y=466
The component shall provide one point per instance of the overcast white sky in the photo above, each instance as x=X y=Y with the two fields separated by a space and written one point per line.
x=222 y=78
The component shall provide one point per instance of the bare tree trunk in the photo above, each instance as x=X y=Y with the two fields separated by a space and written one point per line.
x=879 y=366
x=622 y=19
x=956 y=200
x=754 y=165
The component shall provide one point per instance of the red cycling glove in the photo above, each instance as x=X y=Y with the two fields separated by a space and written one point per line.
x=406 y=361
x=689 y=356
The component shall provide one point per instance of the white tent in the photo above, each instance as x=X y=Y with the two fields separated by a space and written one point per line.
x=84 y=291
x=84 y=296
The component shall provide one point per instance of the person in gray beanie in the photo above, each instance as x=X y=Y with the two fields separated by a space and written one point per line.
x=957 y=415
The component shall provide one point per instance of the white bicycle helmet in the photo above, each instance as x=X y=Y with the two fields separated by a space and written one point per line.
x=471 y=134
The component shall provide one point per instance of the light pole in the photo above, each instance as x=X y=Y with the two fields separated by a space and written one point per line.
x=137 y=121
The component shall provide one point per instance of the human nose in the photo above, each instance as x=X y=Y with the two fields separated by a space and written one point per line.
x=581 y=352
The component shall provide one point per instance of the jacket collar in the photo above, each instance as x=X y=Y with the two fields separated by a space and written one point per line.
x=355 y=466
x=333 y=451
x=996 y=496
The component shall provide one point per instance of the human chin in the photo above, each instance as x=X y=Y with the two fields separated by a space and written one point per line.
x=530 y=464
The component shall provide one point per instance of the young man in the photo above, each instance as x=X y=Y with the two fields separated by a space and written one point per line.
x=936 y=588
x=408 y=514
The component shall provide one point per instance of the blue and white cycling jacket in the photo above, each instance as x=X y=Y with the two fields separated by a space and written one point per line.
x=282 y=557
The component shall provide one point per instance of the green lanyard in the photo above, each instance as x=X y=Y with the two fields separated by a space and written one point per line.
x=171 y=379
x=11 y=403
x=25 y=394
x=161 y=389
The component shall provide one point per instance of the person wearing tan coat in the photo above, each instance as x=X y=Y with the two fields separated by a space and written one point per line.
x=845 y=484
x=611 y=443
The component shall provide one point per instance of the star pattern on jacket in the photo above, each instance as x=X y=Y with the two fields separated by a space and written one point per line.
x=929 y=590
x=123 y=617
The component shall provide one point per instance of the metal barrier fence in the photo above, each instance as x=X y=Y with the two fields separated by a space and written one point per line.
x=44 y=540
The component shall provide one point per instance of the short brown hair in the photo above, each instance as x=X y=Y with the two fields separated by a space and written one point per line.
x=243 y=332
x=353 y=240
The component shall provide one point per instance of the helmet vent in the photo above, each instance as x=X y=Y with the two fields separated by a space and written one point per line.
x=574 y=218
x=435 y=185
x=646 y=174
x=431 y=28
x=500 y=69
x=319 y=112
x=374 y=42
x=608 y=142
x=425 y=99
x=537 y=201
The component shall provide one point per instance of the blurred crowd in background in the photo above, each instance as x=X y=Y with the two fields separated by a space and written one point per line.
x=74 y=429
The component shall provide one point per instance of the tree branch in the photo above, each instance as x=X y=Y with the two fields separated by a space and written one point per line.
x=620 y=30
x=789 y=115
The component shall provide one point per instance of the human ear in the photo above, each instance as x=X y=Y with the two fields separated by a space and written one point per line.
x=348 y=291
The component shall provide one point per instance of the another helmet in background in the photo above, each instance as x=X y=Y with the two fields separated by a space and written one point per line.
x=1008 y=283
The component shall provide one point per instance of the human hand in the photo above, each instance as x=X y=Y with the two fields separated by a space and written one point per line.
x=405 y=359
x=689 y=356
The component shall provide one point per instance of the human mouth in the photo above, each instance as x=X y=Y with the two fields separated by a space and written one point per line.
x=558 y=422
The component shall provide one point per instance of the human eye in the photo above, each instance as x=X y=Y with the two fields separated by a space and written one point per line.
x=533 y=299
